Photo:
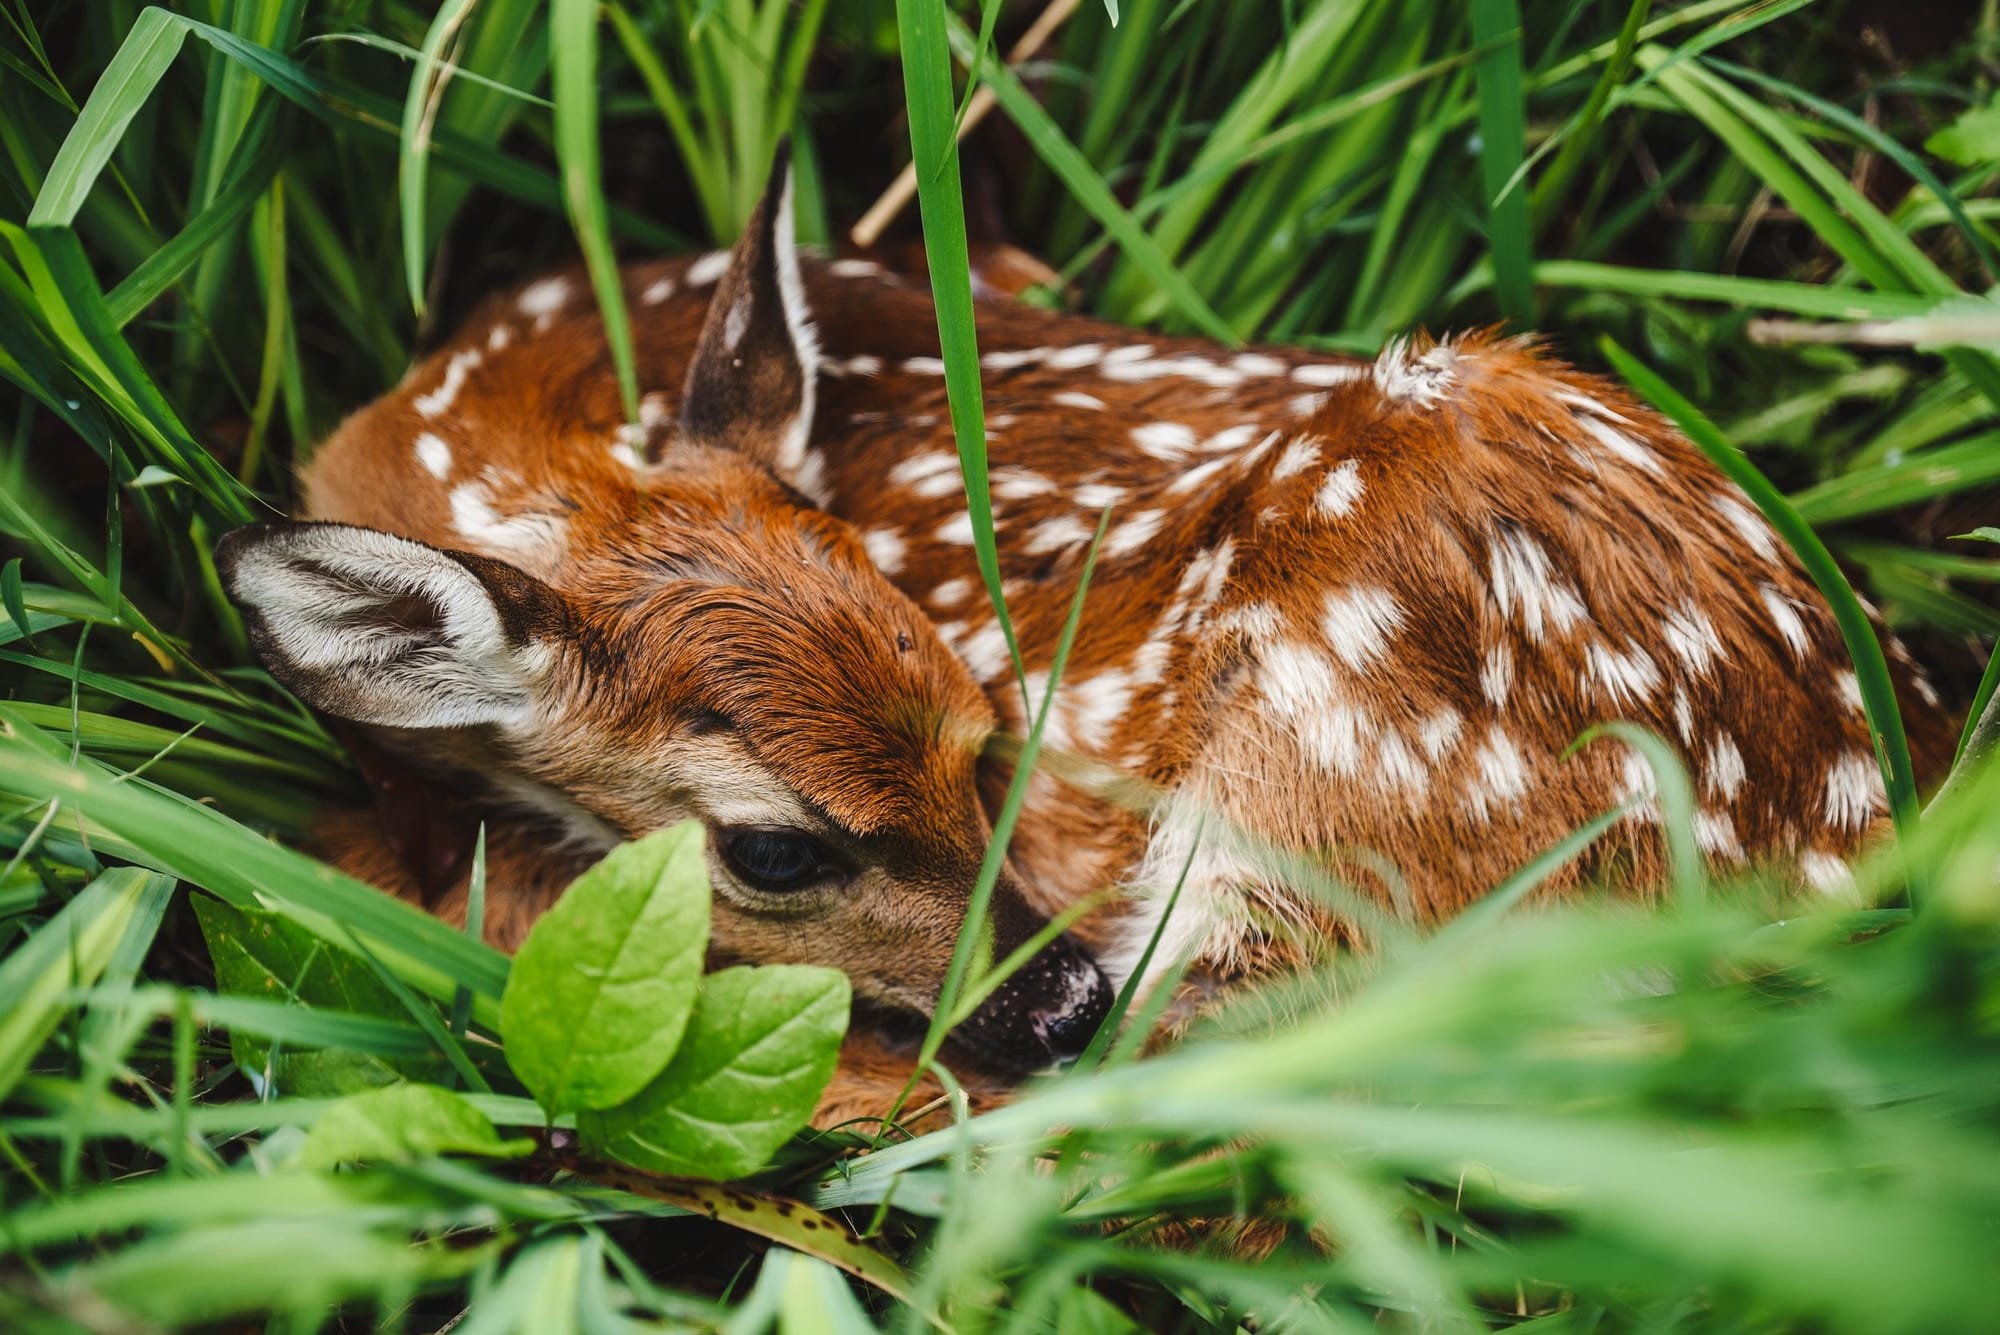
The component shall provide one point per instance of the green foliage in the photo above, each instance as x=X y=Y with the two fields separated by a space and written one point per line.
x=601 y=990
x=400 y=1123
x=759 y=1049
x=1735 y=1112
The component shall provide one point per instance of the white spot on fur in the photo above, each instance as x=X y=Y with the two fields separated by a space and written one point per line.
x=531 y=537
x=1853 y=790
x=1135 y=532
x=1791 y=627
x=856 y=269
x=1341 y=491
x=1625 y=447
x=1073 y=358
x=1298 y=456
x=984 y=651
x=1399 y=767
x=841 y=367
x=498 y=337
x=923 y=365
x=1715 y=832
x=659 y=290
x=1626 y=678
x=1748 y=523
x=1097 y=495
x=1691 y=637
x=1230 y=439
x=951 y=593
x=1500 y=774
x=1439 y=733
x=1019 y=484
x=1167 y=441
x=434 y=455
x=1256 y=363
x=439 y=400
x=1198 y=477
x=1327 y=374
x=886 y=549
x=1849 y=687
x=1524 y=583
x=707 y=268
x=1359 y=623
x=957 y=529
x=543 y=297
x=1724 y=773
x=934 y=475
x=1496 y=674
x=1061 y=533
x=1305 y=405
x=1071 y=398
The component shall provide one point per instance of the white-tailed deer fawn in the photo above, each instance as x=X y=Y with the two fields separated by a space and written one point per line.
x=1341 y=606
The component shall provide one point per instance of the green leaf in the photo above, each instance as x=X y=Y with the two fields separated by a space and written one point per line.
x=1984 y=533
x=602 y=988
x=11 y=599
x=69 y=951
x=401 y=1123
x=1972 y=139
x=756 y=1058
x=270 y=957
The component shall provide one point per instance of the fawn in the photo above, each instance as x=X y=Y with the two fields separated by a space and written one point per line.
x=1340 y=606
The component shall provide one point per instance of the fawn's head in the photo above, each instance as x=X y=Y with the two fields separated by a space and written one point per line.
x=709 y=646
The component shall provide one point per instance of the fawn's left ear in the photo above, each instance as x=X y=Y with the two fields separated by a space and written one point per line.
x=750 y=386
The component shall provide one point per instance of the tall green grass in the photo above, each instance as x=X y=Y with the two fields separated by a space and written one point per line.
x=222 y=226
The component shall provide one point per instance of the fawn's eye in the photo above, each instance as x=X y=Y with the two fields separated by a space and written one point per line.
x=777 y=861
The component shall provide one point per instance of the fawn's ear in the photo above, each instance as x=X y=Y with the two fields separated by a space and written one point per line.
x=380 y=629
x=750 y=386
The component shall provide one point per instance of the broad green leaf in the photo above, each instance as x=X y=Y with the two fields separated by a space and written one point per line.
x=755 y=1060
x=602 y=988
x=68 y=951
x=1984 y=533
x=1972 y=139
x=268 y=956
x=400 y=1123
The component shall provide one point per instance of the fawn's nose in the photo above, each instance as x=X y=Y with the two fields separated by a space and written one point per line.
x=1067 y=1027
x=1047 y=1012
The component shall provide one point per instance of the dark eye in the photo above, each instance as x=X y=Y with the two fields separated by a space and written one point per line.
x=776 y=860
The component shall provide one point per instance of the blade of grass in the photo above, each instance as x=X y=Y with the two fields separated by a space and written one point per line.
x=420 y=109
x=923 y=25
x=573 y=64
x=1496 y=25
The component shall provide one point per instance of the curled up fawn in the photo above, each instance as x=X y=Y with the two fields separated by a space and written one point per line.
x=1340 y=606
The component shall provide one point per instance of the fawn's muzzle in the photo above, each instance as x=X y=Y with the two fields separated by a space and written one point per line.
x=1047 y=1012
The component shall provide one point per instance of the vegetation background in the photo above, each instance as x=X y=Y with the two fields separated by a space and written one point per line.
x=223 y=225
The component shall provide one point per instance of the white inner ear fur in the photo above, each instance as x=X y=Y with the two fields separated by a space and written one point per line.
x=319 y=593
x=798 y=320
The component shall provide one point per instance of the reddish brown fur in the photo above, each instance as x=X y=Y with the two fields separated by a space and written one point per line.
x=1487 y=485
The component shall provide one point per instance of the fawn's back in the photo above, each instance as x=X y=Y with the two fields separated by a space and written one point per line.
x=1340 y=608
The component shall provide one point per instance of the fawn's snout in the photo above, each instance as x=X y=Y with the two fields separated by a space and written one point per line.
x=1047 y=1012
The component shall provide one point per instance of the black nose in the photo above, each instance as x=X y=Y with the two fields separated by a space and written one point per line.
x=1047 y=1012
x=1067 y=1026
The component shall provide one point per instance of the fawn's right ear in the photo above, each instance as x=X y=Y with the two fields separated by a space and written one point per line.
x=380 y=629
x=750 y=385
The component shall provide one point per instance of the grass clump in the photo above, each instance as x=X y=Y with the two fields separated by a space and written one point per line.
x=221 y=227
